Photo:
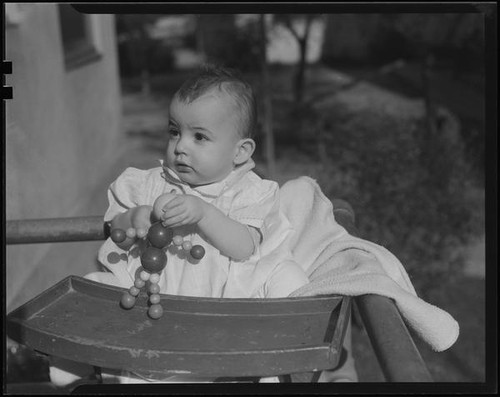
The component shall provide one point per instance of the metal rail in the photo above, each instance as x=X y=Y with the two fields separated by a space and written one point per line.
x=56 y=230
x=397 y=355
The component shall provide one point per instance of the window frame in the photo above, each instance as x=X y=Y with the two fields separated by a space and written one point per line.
x=88 y=47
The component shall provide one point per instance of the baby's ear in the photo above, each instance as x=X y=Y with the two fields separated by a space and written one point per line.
x=245 y=149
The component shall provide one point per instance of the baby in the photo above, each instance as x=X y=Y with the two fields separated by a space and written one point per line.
x=208 y=194
x=220 y=203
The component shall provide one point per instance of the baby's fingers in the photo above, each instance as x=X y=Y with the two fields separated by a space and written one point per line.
x=173 y=211
x=131 y=232
x=141 y=232
x=172 y=204
x=142 y=218
x=175 y=220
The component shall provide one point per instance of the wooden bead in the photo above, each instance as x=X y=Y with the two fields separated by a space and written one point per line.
x=134 y=291
x=154 y=278
x=127 y=301
x=178 y=240
x=154 y=289
x=144 y=275
x=139 y=283
x=118 y=235
x=159 y=236
x=154 y=299
x=197 y=252
x=155 y=311
x=153 y=260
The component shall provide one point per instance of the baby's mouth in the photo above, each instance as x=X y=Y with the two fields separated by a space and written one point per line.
x=182 y=167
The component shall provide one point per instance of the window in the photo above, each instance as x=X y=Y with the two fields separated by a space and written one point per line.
x=79 y=36
x=13 y=13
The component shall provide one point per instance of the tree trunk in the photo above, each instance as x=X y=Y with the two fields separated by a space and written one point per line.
x=301 y=69
x=216 y=36
x=267 y=115
x=428 y=150
x=145 y=83
x=299 y=76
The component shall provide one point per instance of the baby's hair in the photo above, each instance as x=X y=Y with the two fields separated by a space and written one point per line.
x=227 y=80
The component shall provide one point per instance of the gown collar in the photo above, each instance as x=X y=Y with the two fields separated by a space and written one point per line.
x=211 y=190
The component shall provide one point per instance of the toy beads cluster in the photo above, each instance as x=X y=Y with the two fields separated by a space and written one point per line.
x=153 y=260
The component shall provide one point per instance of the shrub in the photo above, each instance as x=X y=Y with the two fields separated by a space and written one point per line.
x=410 y=203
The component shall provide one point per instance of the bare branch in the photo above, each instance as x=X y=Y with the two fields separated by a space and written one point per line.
x=289 y=26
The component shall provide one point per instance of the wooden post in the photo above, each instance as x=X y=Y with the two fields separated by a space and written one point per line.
x=266 y=101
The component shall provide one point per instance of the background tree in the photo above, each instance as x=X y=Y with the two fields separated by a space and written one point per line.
x=221 y=40
x=415 y=164
x=433 y=43
x=299 y=25
x=267 y=111
x=437 y=40
x=140 y=53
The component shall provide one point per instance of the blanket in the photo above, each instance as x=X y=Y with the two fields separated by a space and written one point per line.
x=339 y=263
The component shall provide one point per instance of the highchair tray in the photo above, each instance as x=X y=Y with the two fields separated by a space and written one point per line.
x=82 y=320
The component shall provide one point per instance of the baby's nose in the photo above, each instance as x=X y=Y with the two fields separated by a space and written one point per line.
x=181 y=146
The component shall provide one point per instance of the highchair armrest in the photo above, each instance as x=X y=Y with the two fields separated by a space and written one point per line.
x=55 y=230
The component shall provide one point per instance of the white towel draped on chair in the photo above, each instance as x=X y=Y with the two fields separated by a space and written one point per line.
x=338 y=263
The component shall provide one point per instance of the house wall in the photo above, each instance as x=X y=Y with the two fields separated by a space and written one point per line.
x=62 y=127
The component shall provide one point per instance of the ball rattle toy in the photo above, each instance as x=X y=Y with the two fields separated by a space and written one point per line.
x=153 y=260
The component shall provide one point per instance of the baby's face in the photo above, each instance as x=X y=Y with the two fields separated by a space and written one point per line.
x=203 y=138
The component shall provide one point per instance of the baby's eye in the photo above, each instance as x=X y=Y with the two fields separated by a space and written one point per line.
x=200 y=137
x=173 y=132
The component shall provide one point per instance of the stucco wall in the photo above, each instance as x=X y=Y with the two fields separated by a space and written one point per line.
x=62 y=129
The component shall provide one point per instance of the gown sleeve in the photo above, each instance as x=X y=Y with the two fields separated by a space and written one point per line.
x=126 y=192
x=253 y=205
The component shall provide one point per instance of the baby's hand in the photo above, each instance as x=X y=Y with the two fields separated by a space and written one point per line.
x=184 y=209
x=160 y=203
x=135 y=222
x=140 y=221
